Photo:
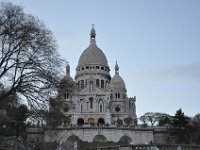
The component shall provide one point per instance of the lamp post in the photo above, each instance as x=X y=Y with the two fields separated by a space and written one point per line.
x=4 y=126
x=167 y=133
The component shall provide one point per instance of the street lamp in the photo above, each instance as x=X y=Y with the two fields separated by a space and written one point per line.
x=4 y=126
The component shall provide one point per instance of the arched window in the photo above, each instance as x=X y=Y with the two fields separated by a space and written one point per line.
x=102 y=83
x=91 y=120
x=91 y=102
x=101 y=108
x=101 y=121
x=124 y=96
x=81 y=108
x=86 y=82
x=80 y=121
x=111 y=96
x=78 y=84
x=97 y=82
x=118 y=95
x=82 y=83
x=100 y=105
x=65 y=95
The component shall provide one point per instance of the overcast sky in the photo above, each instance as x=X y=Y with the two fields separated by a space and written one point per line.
x=156 y=44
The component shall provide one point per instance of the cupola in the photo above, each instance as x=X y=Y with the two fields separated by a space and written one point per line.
x=117 y=82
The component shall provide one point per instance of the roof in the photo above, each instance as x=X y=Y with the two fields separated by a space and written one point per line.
x=93 y=55
x=117 y=82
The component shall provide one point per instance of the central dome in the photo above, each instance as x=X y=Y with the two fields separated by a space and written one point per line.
x=92 y=61
x=93 y=55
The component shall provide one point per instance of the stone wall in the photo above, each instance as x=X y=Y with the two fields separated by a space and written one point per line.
x=133 y=136
x=35 y=135
x=138 y=135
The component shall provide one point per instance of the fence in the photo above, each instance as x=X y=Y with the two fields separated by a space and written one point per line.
x=151 y=147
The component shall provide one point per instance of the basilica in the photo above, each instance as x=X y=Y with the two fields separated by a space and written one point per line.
x=97 y=104
x=97 y=98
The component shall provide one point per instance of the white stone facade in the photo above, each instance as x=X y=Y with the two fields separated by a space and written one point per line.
x=95 y=104
x=98 y=98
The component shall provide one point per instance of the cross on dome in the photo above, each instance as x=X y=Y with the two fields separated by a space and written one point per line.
x=67 y=69
x=116 y=68
x=92 y=35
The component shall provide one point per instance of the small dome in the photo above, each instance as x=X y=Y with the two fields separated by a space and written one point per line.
x=93 y=55
x=67 y=81
x=117 y=82
x=67 y=77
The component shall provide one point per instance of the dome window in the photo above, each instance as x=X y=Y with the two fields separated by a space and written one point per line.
x=87 y=67
x=118 y=95
x=82 y=83
x=97 y=67
x=92 y=36
x=102 y=68
x=82 y=68
x=102 y=83
x=91 y=102
x=97 y=82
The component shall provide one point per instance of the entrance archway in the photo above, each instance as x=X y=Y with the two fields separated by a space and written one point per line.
x=80 y=121
x=91 y=120
x=125 y=139
x=72 y=142
x=100 y=138
x=101 y=121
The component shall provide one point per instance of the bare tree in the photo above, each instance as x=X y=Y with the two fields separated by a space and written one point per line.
x=29 y=61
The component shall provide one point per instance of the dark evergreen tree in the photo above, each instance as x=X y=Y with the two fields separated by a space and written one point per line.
x=180 y=127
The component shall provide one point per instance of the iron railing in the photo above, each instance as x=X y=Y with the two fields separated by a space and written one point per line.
x=151 y=147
